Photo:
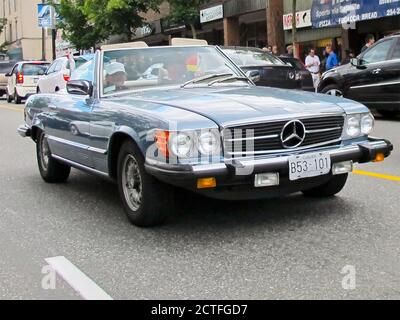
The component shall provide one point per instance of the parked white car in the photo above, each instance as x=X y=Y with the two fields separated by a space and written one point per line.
x=23 y=78
x=59 y=72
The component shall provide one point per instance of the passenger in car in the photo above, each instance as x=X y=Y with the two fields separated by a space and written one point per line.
x=115 y=77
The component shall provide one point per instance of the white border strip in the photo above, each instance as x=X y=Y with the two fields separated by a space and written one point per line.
x=79 y=281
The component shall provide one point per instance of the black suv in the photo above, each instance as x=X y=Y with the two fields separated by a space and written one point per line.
x=373 y=78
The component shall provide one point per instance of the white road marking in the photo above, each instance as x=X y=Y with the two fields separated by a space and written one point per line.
x=79 y=281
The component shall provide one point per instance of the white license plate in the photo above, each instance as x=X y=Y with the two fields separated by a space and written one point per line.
x=309 y=165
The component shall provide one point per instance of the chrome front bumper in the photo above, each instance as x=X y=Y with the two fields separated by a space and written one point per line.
x=24 y=131
x=235 y=170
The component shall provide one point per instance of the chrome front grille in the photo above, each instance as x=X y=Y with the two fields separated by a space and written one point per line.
x=264 y=138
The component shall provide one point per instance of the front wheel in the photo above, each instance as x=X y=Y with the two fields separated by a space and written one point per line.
x=50 y=169
x=329 y=189
x=333 y=90
x=147 y=201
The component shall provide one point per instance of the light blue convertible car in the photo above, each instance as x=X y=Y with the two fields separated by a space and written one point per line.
x=185 y=116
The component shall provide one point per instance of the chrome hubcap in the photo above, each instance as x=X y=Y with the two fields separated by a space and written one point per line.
x=44 y=153
x=132 y=183
x=335 y=92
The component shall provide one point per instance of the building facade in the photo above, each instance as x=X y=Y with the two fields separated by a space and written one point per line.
x=316 y=31
x=222 y=22
x=21 y=31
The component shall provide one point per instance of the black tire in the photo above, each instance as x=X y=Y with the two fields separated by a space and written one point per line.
x=50 y=169
x=332 y=87
x=156 y=202
x=389 y=113
x=17 y=98
x=329 y=189
x=9 y=97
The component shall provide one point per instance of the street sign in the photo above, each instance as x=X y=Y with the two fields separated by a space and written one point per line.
x=47 y=16
x=211 y=14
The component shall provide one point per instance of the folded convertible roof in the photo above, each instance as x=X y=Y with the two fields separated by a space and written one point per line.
x=128 y=45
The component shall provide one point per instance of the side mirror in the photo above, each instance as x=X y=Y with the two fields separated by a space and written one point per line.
x=254 y=75
x=80 y=87
x=357 y=62
x=41 y=72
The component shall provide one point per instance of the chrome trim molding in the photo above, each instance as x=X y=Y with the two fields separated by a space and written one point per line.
x=80 y=166
x=76 y=145
x=272 y=136
x=299 y=116
x=376 y=85
x=323 y=130
x=285 y=150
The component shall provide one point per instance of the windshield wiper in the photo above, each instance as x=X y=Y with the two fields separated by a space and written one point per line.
x=232 y=77
x=206 y=77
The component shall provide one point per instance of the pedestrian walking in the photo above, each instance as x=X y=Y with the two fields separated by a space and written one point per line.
x=369 y=42
x=332 y=60
x=312 y=64
x=275 y=51
x=289 y=52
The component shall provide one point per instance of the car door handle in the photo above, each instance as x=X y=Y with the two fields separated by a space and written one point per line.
x=376 y=71
x=52 y=106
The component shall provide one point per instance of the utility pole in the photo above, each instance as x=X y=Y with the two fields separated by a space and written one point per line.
x=294 y=28
x=43 y=40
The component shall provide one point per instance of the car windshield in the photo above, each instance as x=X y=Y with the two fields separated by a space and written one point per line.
x=34 y=69
x=131 y=69
x=247 y=57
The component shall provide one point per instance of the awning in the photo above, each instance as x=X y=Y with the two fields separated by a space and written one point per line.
x=348 y=12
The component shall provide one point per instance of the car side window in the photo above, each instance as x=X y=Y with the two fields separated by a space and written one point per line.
x=52 y=67
x=378 y=53
x=396 y=51
x=58 y=66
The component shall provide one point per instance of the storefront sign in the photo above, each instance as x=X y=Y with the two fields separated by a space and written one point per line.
x=212 y=14
x=144 y=31
x=303 y=20
x=327 y=13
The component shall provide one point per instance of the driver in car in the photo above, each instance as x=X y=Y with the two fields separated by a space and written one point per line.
x=115 y=77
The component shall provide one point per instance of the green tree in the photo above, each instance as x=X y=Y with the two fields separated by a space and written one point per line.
x=187 y=12
x=86 y=23
x=77 y=27
x=4 y=45
x=120 y=17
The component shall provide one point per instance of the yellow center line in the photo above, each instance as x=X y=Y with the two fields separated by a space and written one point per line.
x=377 y=175
x=12 y=108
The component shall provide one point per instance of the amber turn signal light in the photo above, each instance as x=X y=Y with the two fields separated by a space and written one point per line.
x=162 y=138
x=379 y=157
x=206 y=183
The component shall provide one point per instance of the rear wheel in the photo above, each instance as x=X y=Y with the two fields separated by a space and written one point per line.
x=9 y=97
x=333 y=90
x=329 y=189
x=147 y=201
x=17 y=98
x=50 y=169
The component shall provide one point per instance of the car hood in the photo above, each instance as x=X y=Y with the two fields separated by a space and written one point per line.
x=226 y=105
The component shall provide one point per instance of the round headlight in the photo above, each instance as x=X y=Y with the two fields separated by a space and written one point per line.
x=209 y=143
x=353 y=126
x=181 y=145
x=367 y=124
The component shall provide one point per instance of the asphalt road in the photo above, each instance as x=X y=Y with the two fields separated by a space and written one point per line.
x=290 y=248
